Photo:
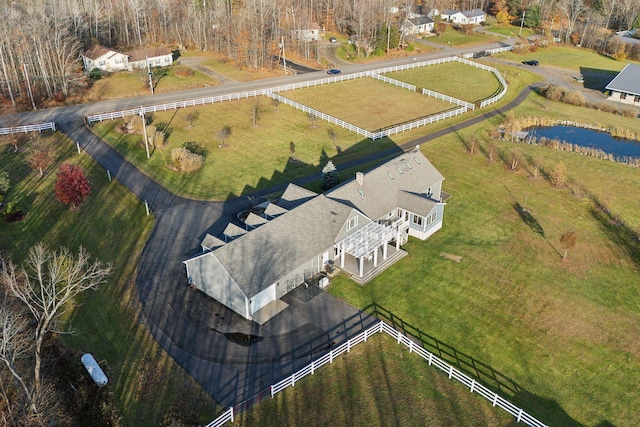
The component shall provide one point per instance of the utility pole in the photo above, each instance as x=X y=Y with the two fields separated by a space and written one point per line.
x=26 y=75
x=522 y=22
x=284 y=58
x=144 y=129
x=149 y=74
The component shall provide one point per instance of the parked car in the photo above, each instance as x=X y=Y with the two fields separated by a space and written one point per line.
x=333 y=71
x=332 y=39
x=533 y=63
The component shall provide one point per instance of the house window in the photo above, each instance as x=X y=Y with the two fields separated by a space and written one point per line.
x=417 y=220
x=399 y=213
x=352 y=223
x=636 y=99
x=101 y=63
x=431 y=218
x=623 y=96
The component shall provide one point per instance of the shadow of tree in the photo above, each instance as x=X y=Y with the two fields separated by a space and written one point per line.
x=525 y=215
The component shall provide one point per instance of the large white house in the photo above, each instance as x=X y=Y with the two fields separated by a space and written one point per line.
x=474 y=17
x=362 y=222
x=625 y=87
x=106 y=59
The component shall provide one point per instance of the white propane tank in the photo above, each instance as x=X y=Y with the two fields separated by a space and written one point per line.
x=94 y=370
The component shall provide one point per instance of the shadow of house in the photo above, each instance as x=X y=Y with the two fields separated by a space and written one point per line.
x=597 y=79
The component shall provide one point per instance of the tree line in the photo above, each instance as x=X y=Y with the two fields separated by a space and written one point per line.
x=41 y=40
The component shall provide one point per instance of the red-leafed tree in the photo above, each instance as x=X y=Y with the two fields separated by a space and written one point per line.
x=72 y=186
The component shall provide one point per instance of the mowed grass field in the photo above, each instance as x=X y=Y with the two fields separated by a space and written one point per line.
x=368 y=103
x=378 y=383
x=563 y=335
x=572 y=58
x=146 y=384
x=452 y=79
x=114 y=86
x=252 y=158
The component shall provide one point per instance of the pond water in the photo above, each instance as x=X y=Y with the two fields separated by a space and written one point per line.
x=589 y=138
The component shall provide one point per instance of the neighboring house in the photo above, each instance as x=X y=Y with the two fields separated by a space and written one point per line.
x=104 y=59
x=420 y=25
x=358 y=222
x=628 y=37
x=310 y=34
x=110 y=60
x=625 y=87
x=156 y=56
x=474 y=17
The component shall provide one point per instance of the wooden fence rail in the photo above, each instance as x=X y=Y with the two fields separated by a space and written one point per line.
x=414 y=347
x=28 y=128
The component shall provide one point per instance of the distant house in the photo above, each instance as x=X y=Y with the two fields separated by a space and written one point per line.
x=628 y=37
x=363 y=221
x=309 y=34
x=625 y=87
x=155 y=56
x=420 y=25
x=104 y=59
x=110 y=60
x=473 y=17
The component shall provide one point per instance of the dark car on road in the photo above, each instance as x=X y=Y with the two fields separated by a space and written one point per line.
x=533 y=63
x=333 y=71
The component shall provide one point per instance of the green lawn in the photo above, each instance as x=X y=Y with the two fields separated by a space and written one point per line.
x=562 y=335
x=378 y=383
x=452 y=37
x=253 y=157
x=136 y=83
x=452 y=79
x=368 y=103
x=573 y=58
x=148 y=386
x=509 y=30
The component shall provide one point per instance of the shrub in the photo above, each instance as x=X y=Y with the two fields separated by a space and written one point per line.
x=12 y=211
x=573 y=98
x=5 y=181
x=629 y=112
x=95 y=74
x=59 y=97
x=196 y=148
x=410 y=48
x=185 y=160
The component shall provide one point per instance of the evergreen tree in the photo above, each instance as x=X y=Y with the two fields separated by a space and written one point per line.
x=329 y=176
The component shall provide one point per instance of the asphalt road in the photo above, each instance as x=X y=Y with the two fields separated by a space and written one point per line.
x=193 y=328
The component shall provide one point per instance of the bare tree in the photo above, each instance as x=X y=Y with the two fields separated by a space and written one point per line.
x=567 y=241
x=572 y=10
x=275 y=102
x=223 y=134
x=333 y=136
x=46 y=285
x=255 y=112
x=190 y=117
x=559 y=175
x=312 y=118
x=40 y=155
x=516 y=155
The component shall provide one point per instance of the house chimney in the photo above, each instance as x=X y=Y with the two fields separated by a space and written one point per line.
x=360 y=178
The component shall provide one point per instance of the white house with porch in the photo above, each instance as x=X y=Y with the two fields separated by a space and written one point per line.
x=358 y=227
x=474 y=17
x=625 y=87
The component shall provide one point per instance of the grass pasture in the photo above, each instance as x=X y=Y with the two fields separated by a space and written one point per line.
x=572 y=58
x=146 y=384
x=452 y=37
x=452 y=78
x=377 y=383
x=368 y=103
x=252 y=158
x=136 y=83
x=562 y=334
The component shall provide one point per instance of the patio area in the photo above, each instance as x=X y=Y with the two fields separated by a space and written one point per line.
x=352 y=266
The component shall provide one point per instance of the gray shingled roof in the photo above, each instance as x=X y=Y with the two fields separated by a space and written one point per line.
x=294 y=196
x=254 y=220
x=381 y=191
x=262 y=257
x=97 y=51
x=422 y=20
x=152 y=52
x=232 y=231
x=415 y=202
x=211 y=242
x=274 y=210
x=472 y=13
x=628 y=81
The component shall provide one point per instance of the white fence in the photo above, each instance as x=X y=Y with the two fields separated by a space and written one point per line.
x=28 y=128
x=452 y=373
x=447 y=98
x=393 y=81
x=498 y=50
x=373 y=73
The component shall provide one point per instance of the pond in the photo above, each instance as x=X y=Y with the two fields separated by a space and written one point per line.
x=589 y=138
